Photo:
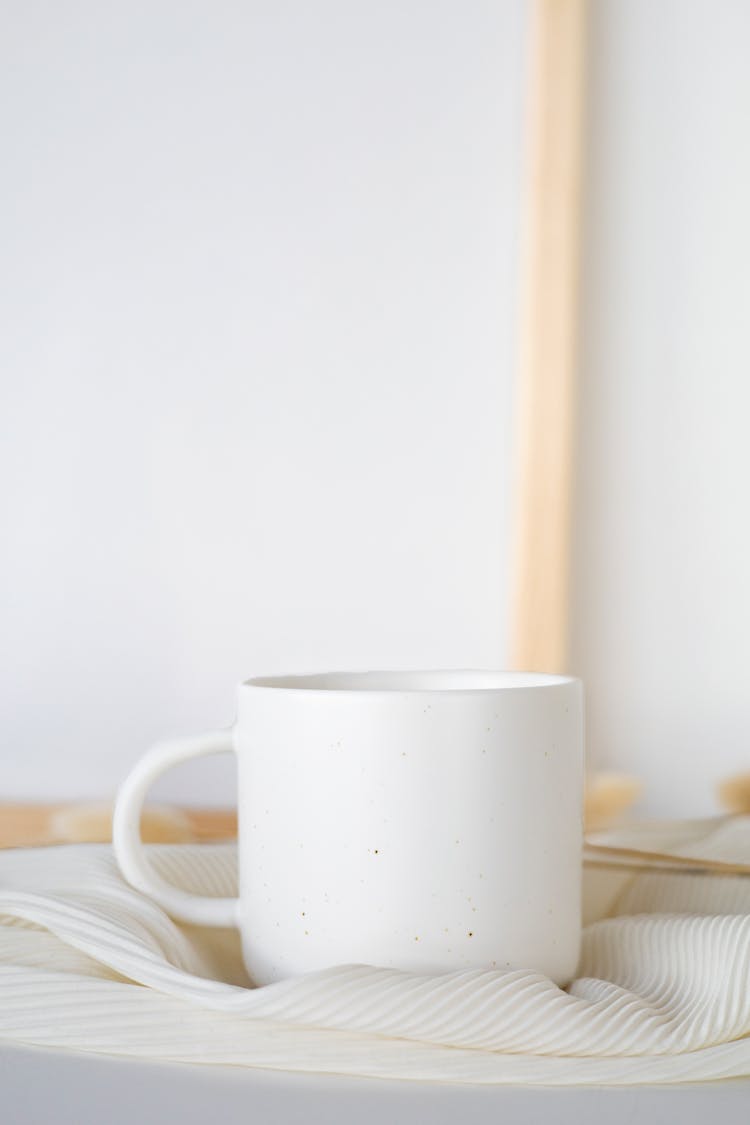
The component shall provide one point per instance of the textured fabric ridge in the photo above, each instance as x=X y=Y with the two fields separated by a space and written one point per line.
x=662 y=993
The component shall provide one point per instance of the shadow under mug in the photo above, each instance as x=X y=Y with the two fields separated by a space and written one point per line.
x=428 y=821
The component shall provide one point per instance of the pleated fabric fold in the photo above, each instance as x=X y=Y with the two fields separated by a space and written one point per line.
x=662 y=993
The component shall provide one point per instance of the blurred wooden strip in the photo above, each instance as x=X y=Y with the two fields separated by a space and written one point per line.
x=212 y=824
x=602 y=855
x=734 y=793
x=34 y=825
x=26 y=825
x=607 y=796
x=548 y=344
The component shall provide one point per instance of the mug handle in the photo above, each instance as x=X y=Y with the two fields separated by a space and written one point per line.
x=126 y=832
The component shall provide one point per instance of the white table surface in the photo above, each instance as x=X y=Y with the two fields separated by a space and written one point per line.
x=42 y=1087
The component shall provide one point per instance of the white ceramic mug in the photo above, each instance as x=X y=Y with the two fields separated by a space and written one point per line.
x=421 y=820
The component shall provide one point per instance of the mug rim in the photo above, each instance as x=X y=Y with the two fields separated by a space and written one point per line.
x=439 y=681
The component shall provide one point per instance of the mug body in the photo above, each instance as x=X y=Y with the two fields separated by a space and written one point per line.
x=429 y=821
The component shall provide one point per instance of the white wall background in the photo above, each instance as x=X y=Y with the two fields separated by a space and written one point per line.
x=662 y=607
x=258 y=300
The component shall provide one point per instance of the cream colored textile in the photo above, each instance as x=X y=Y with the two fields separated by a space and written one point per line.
x=663 y=992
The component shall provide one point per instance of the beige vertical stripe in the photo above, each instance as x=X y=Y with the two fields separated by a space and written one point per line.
x=550 y=251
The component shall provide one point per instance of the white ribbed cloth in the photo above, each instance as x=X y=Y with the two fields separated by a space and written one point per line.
x=662 y=995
